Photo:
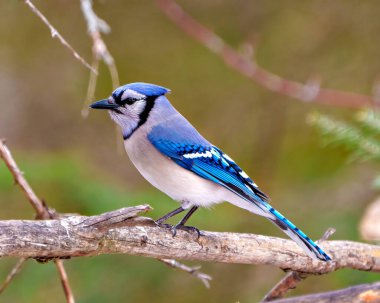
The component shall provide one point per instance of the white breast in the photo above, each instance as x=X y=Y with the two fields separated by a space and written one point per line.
x=163 y=173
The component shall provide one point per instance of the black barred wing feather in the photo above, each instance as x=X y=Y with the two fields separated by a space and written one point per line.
x=223 y=158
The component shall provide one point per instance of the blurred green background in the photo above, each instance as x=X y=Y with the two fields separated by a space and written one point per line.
x=74 y=164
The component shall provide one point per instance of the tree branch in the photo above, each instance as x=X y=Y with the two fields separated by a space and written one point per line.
x=369 y=293
x=309 y=92
x=120 y=232
x=56 y=34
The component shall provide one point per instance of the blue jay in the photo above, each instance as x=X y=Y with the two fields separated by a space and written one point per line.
x=170 y=153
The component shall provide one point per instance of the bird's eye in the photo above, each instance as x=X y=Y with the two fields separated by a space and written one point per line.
x=130 y=101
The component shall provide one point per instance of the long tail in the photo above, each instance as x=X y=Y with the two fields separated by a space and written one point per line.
x=310 y=247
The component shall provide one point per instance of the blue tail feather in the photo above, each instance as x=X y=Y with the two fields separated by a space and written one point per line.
x=297 y=235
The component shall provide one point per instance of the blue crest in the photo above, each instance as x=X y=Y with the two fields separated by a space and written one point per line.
x=147 y=89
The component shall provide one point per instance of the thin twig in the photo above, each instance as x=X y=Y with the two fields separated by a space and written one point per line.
x=309 y=92
x=292 y=279
x=15 y=270
x=55 y=34
x=96 y=26
x=191 y=270
x=64 y=281
x=91 y=86
x=328 y=233
x=21 y=181
x=43 y=212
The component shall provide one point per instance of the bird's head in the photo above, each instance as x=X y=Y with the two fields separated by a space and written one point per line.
x=130 y=104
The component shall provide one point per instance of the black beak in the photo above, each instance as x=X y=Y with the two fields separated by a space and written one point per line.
x=104 y=104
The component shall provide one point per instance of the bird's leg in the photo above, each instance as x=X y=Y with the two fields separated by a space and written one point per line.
x=187 y=216
x=161 y=220
x=181 y=224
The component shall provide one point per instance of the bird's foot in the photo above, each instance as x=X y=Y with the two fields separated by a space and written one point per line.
x=164 y=225
x=174 y=228
x=191 y=229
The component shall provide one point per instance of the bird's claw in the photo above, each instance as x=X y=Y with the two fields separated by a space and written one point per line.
x=174 y=228
x=186 y=228
x=164 y=225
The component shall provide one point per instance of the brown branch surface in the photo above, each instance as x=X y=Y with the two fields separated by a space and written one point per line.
x=365 y=293
x=309 y=92
x=120 y=232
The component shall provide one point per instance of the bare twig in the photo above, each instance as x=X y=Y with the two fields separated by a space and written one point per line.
x=74 y=236
x=43 y=212
x=56 y=34
x=95 y=27
x=292 y=279
x=91 y=87
x=21 y=181
x=191 y=270
x=15 y=270
x=328 y=233
x=364 y=293
x=249 y=68
x=64 y=281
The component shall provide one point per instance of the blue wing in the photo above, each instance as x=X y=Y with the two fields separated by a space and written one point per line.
x=185 y=146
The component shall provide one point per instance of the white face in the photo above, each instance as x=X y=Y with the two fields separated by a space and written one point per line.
x=128 y=114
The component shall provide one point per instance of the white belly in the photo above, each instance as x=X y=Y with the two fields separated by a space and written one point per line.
x=163 y=173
